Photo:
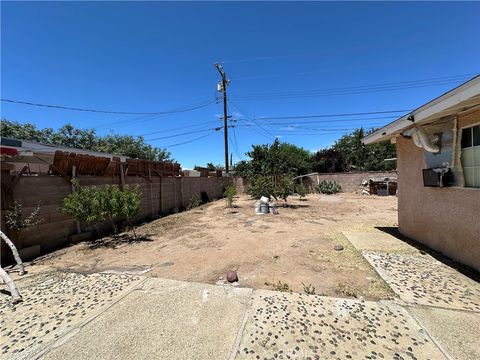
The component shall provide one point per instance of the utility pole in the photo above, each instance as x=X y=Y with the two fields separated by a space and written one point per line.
x=223 y=87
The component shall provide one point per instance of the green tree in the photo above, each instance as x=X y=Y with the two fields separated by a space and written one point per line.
x=278 y=159
x=68 y=135
x=365 y=157
x=329 y=160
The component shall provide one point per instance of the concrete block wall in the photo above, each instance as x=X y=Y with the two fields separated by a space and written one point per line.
x=350 y=182
x=160 y=196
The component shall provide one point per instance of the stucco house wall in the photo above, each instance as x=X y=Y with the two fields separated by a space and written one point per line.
x=445 y=219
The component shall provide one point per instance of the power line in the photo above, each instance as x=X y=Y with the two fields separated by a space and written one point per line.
x=175 y=110
x=252 y=120
x=182 y=134
x=178 y=128
x=359 y=89
x=331 y=115
x=188 y=141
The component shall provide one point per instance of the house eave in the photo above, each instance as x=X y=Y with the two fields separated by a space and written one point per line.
x=459 y=99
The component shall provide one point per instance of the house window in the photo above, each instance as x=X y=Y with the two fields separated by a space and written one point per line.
x=471 y=156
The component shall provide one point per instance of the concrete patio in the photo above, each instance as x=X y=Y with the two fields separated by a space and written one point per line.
x=71 y=315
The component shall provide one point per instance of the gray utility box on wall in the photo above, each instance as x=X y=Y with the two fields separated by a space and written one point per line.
x=438 y=177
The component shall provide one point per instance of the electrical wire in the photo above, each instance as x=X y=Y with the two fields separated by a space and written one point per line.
x=188 y=141
x=358 y=89
x=182 y=134
x=333 y=115
x=175 y=110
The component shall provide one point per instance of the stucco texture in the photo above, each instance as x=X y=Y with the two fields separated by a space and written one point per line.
x=444 y=219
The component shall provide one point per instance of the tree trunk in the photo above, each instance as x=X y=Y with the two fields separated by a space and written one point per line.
x=15 y=253
x=11 y=286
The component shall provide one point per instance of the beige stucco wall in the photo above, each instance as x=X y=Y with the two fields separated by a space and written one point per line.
x=445 y=219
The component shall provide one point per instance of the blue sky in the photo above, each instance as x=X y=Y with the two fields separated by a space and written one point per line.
x=281 y=57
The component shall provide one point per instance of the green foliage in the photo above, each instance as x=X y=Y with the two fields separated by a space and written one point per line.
x=279 y=286
x=92 y=204
x=229 y=194
x=84 y=204
x=365 y=157
x=261 y=186
x=284 y=187
x=195 y=201
x=278 y=159
x=301 y=190
x=328 y=160
x=269 y=186
x=132 y=146
x=329 y=187
x=210 y=167
x=309 y=289
x=17 y=221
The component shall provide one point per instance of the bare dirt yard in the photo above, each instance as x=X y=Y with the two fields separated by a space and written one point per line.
x=293 y=250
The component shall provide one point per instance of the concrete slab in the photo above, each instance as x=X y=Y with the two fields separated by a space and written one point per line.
x=378 y=241
x=297 y=326
x=424 y=280
x=165 y=319
x=54 y=304
x=458 y=332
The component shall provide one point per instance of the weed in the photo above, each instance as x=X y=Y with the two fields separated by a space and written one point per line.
x=309 y=289
x=283 y=287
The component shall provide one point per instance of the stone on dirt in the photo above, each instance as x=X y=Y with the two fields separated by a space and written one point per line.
x=338 y=247
x=232 y=276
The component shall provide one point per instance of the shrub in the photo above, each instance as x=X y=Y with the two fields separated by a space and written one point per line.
x=195 y=201
x=92 y=204
x=83 y=204
x=16 y=221
x=329 y=187
x=229 y=194
x=301 y=190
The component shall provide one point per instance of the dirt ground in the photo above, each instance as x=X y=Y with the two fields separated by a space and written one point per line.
x=293 y=250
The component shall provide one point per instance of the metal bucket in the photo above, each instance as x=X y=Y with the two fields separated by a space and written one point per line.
x=264 y=208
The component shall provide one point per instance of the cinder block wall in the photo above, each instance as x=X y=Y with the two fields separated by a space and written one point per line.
x=350 y=182
x=160 y=196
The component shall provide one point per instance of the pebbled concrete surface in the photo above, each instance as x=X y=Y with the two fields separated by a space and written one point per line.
x=297 y=326
x=423 y=280
x=54 y=304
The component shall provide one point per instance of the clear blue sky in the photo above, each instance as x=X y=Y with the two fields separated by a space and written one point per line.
x=153 y=56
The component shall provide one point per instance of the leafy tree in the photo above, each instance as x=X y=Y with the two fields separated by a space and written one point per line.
x=365 y=157
x=329 y=160
x=68 y=135
x=277 y=159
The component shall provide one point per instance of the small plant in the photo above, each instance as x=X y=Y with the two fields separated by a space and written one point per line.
x=229 y=194
x=283 y=287
x=301 y=190
x=16 y=221
x=195 y=201
x=329 y=187
x=308 y=289
x=91 y=204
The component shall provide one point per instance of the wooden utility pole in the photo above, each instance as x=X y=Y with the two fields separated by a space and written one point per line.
x=223 y=88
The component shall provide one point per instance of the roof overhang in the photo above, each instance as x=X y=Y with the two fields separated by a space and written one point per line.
x=461 y=98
